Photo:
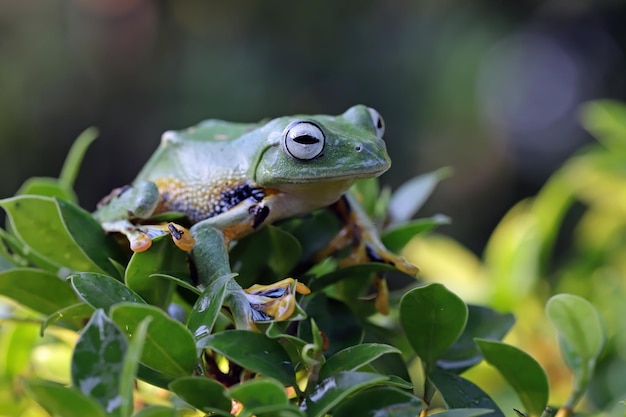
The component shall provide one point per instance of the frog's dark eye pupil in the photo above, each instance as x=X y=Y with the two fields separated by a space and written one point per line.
x=303 y=140
x=306 y=140
x=377 y=122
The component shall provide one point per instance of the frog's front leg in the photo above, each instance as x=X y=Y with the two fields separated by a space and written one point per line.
x=138 y=202
x=256 y=304
x=359 y=232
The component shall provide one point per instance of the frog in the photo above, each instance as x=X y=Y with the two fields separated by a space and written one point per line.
x=228 y=180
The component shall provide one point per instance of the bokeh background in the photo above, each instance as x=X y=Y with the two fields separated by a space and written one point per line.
x=487 y=87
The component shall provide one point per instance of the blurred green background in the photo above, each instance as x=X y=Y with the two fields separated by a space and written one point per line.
x=490 y=88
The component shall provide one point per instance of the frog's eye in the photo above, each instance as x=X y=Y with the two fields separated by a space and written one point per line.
x=379 y=123
x=303 y=140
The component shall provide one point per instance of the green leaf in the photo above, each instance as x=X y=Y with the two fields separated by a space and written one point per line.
x=47 y=187
x=156 y=411
x=88 y=235
x=163 y=257
x=203 y=393
x=207 y=307
x=102 y=291
x=159 y=352
x=130 y=367
x=521 y=371
x=411 y=195
x=263 y=397
x=357 y=271
x=74 y=158
x=606 y=120
x=73 y=317
x=354 y=357
x=458 y=392
x=331 y=391
x=269 y=254
x=482 y=322
x=581 y=333
x=59 y=234
x=339 y=324
x=396 y=238
x=98 y=361
x=39 y=290
x=63 y=401
x=380 y=402
x=17 y=342
x=253 y=351
x=433 y=318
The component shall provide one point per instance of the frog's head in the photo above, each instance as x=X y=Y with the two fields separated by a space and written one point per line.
x=315 y=149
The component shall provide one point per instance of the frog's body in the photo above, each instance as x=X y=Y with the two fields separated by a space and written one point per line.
x=229 y=179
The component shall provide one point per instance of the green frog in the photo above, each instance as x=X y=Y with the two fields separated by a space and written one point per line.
x=230 y=179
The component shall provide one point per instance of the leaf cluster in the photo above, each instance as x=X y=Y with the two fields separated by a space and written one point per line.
x=138 y=317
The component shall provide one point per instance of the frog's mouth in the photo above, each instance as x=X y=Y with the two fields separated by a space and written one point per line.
x=357 y=161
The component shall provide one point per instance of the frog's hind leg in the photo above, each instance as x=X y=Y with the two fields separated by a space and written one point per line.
x=259 y=303
x=360 y=233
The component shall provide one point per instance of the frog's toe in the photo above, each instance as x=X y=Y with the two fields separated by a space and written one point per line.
x=181 y=236
x=381 y=254
x=139 y=241
x=275 y=301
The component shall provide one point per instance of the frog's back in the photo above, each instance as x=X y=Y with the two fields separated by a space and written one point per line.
x=204 y=152
x=197 y=169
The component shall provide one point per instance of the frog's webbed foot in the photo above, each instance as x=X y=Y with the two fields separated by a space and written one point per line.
x=275 y=301
x=360 y=234
x=140 y=236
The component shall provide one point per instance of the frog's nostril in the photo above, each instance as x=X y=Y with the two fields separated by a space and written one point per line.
x=358 y=148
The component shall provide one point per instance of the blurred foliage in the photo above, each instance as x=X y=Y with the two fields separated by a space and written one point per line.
x=567 y=239
x=432 y=354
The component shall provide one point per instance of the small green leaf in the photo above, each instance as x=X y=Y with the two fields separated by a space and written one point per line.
x=521 y=371
x=63 y=401
x=163 y=257
x=39 y=290
x=458 y=392
x=396 y=238
x=262 y=397
x=203 y=393
x=331 y=391
x=179 y=282
x=433 y=318
x=159 y=352
x=286 y=251
x=354 y=357
x=130 y=367
x=75 y=156
x=380 y=402
x=73 y=316
x=411 y=195
x=253 y=351
x=482 y=322
x=207 y=307
x=98 y=361
x=47 y=187
x=102 y=291
x=581 y=332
